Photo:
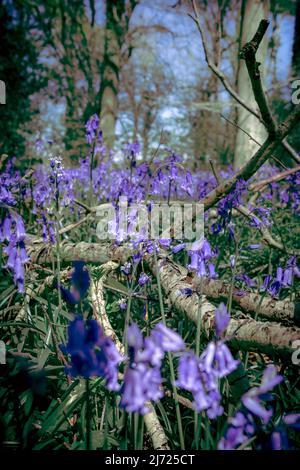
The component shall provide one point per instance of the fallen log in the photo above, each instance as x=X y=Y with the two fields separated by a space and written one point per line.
x=276 y=310
x=88 y=252
x=152 y=424
x=243 y=333
x=271 y=309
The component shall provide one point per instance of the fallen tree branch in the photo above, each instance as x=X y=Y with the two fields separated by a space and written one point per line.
x=88 y=252
x=243 y=334
x=276 y=310
x=153 y=426
x=92 y=253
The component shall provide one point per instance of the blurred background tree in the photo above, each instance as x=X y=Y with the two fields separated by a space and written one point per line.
x=140 y=65
x=21 y=72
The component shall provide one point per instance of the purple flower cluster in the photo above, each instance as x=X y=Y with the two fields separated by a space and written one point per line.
x=243 y=425
x=279 y=437
x=260 y=217
x=283 y=278
x=201 y=254
x=80 y=282
x=92 y=353
x=143 y=279
x=142 y=378
x=12 y=230
x=93 y=131
x=201 y=375
x=225 y=206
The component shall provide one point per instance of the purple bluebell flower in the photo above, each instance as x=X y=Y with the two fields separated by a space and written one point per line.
x=262 y=219
x=193 y=377
x=167 y=339
x=271 y=285
x=6 y=229
x=256 y=408
x=122 y=305
x=244 y=424
x=80 y=282
x=292 y=419
x=142 y=378
x=179 y=247
x=19 y=275
x=212 y=271
x=201 y=254
x=188 y=291
x=218 y=360
x=246 y=279
x=13 y=231
x=92 y=354
x=93 y=132
x=143 y=279
x=287 y=277
x=225 y=206
x=200 y=376
x=222 y=319
x=126 y=269
x=132 y=149
x=141 y=384
x=80 y=279
x=279 y=437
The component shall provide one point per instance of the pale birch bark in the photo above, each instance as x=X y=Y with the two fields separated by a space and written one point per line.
x=253 y=11
x=250 y=302
x=243 y=333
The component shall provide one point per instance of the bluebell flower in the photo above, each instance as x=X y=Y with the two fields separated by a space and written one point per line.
x=92 y=354
x=245 y=422
x=13 y=231
x=141 y=384
x=80 y=279
x=80 y=282
x=193 y=377
x=188 y=291
x=246 y=279
x=122 y=305
x=200 y=258
x=142 y=377
x=225 y=206
x=201 y=375
x=179 y=247
x=126 y=269
x=167 y=339
x=222 y=319
x=143 y=279
x=93 y=132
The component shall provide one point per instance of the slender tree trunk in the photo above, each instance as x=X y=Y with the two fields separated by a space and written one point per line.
x=253 y=11
x=111 y=70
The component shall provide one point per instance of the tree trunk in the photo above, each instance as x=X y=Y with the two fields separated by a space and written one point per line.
x=253 y=11
x=111 y=70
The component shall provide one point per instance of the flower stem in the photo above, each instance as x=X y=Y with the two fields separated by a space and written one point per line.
x=172 y=372
x=88 y=415
x=197 y=427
